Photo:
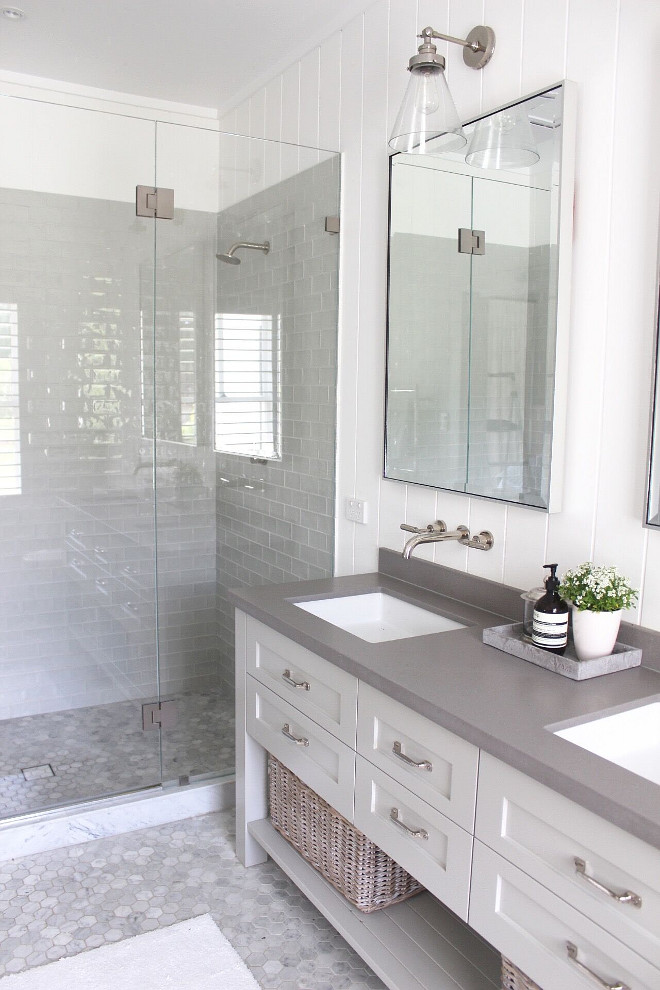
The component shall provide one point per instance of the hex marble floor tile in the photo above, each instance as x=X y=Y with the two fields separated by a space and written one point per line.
x=65 y=901
x=101 y=750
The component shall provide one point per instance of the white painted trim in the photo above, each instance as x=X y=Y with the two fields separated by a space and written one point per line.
x=109 y=101
x=564 y=272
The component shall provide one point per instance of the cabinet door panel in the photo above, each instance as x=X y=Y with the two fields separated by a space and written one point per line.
x=325 y=693
x=533 y=928
x=426 y=843
x=321 y=761
x=544 y=833
x=447 y=777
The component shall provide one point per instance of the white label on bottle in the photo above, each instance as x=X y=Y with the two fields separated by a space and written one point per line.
x=550 y=629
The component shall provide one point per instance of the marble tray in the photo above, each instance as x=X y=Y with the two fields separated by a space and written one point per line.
x=510 y=639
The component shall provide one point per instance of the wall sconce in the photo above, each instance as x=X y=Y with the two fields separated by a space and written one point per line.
x=428 y=112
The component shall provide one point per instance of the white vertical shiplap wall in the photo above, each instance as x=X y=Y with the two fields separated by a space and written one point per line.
x=344 y=95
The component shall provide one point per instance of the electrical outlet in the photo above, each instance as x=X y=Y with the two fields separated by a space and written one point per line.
x=355 y=510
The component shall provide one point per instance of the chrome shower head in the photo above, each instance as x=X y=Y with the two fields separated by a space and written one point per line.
x=229 y=258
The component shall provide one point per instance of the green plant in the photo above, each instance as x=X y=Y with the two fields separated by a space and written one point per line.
x=599 y=589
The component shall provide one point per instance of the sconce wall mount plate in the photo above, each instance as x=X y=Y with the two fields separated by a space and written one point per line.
x=479 y=47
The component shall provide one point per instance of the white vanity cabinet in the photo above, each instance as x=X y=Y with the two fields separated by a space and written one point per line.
x=571 y=899
x=548 y=873
x=315 y=687
x=596 y=867
x=555 y=945
x=303 y=710
x=437 y=765
x=419 y=944
x=415 y=794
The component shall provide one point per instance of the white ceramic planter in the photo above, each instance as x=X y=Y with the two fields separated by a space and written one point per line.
x=594 y=633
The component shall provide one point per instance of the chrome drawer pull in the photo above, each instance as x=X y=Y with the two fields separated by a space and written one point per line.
x=627 y=897
x=301 y=685
x=415 y=833
x=572 y=955
x=286 y=731
x=422 y=765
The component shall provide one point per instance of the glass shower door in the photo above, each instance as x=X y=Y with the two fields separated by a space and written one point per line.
x=245 y=358
x=77 y=607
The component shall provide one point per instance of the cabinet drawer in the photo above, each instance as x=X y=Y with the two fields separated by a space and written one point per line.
x=323 y=692
x=533 y=928
x=544 y=833
x=323 y=762
x=438 y=856
x=390 y=735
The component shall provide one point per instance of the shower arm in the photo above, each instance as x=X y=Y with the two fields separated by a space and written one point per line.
x=251 y=245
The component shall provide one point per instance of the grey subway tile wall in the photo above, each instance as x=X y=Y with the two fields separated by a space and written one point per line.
x=275 y=521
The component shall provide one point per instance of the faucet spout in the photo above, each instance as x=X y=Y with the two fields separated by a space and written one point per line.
x=436 y=532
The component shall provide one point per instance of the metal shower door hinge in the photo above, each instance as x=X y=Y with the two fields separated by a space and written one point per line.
x=471 y=241
x=153 y=202
x=160 y=714
x=332 y=225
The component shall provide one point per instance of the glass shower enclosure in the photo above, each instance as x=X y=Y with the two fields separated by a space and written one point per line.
x=167 y=425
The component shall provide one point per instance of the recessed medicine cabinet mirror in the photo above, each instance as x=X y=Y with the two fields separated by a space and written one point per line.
x=653 y=487
x=478 y=297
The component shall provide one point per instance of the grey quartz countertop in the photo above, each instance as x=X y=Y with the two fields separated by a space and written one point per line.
x=498 y=702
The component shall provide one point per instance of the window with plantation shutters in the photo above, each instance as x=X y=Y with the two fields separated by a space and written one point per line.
x=10 y=439
x=247 y=384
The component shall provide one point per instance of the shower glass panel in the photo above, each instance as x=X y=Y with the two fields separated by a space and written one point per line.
x=77 y=612
x=247 y=497
x=167 y=431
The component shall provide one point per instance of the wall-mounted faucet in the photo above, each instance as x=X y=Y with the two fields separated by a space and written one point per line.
x=437 y=532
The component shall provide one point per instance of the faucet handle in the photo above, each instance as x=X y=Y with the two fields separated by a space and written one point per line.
x=483 y=541
x=439 y=526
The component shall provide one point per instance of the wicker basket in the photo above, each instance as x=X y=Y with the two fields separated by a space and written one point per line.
x=363 y=873
x=514 y=978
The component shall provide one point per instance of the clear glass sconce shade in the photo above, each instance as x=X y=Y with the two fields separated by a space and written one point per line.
x=503 y=140
x=427 y=114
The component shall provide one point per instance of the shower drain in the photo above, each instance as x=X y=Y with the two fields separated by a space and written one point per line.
x=37 y=773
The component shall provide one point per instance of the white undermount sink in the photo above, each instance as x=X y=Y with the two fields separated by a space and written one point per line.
x=378 y=617
x=630 y=739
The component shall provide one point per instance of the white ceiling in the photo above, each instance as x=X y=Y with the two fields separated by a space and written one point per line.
x=201 y=52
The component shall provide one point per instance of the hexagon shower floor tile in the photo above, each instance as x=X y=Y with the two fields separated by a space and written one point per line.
x=103 y=750
x=66 y=901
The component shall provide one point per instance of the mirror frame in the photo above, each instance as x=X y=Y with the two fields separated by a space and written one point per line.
x=565 y=217
x=654 y=416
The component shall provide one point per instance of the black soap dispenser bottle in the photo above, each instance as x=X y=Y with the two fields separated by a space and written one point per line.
x=550 y=626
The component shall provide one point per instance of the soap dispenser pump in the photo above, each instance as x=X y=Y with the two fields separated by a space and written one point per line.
x=550 y=626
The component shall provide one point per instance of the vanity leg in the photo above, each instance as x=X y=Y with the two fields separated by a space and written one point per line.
x=251 y=801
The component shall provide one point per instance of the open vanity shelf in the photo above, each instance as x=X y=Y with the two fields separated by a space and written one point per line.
x=416 y=945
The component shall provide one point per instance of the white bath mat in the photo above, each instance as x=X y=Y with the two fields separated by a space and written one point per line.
x=193 y=955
